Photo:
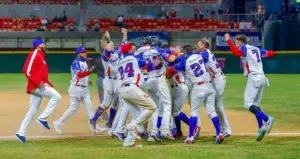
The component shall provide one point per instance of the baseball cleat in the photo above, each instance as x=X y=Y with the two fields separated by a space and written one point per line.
x=261 y=133
x=92 y=124
x=155 y=136
x=131 y=144
x=144 y=135
x=150 y=139
x=270 y=124
x=189 y=140
x=99 y=129
x=219 y=139
x=21 y=138
x=57 y=127
x=43 y=123
x=119 y=136
x=132 y=127
x=178 y=135
x=168 y=136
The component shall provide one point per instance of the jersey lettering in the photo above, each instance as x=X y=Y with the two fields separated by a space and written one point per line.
x=196 y=67
x=128 y=69
x=255 y=51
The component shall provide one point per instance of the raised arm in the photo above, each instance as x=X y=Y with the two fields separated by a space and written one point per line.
x=124 y=36
x=236 y=51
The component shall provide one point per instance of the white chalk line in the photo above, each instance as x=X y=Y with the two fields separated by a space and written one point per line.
x=97 y=136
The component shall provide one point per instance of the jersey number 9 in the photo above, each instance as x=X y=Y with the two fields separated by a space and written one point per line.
x=128 y=69
x=196 y=67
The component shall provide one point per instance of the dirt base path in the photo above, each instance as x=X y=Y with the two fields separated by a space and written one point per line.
x=14 y=106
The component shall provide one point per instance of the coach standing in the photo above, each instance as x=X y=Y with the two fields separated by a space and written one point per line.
x=38 y=86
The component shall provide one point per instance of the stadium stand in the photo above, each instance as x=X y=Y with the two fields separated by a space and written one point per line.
x=29 y=24
x=60 y=2
x=152 y=2
x=165 y=24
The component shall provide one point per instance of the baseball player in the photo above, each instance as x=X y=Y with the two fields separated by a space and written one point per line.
x=110 y=59
x=133 y=96
x=251 y=57
x=218 y=81
x=157 y=87
x=179 y=91
x=38 y=86
x=201 y=91
x=79 y=91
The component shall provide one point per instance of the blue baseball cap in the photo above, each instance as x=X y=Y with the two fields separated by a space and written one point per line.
x=80 y=50
x=37 y=42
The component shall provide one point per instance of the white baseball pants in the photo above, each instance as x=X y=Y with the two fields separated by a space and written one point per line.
x=34 y=104
x=219 y=86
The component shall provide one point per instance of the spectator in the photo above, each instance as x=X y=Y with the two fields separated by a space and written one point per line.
x=71 y=27
x=173 y=13
x=44 y=21
x=227 y=12
x=55 y=19
x=248 y=26
x=120 y=20
x=212 y=13
x=242 y=26
x=232 y=26
x=196 y=13
x=201 y=14
x=167 y=14
x=67 y=29
x=97 y=27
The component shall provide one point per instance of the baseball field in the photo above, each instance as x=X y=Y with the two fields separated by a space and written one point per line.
x=281 y=100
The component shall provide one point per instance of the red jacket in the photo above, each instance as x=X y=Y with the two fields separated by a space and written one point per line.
x=36 y=70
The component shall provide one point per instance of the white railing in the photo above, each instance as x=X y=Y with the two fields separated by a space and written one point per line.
x=239 y=17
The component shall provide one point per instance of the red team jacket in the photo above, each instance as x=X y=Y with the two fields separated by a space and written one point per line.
x=36 y=70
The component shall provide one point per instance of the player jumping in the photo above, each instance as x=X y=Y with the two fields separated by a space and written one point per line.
x=251 y=57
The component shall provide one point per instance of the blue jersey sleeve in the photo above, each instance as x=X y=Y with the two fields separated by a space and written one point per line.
x=205 y=56
x=75 y=67
x=244 y=50
x=142 y=62
x=180 y=66
x=178 y=59
x=106 y=55
x=262 y=52
x=164 y=53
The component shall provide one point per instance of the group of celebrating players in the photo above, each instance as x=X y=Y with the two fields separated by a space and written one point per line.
x=136 y=85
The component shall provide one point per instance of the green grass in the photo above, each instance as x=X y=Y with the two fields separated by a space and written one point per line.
x=106 y=148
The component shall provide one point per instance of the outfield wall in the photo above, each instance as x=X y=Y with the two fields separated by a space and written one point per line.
x=60 y=62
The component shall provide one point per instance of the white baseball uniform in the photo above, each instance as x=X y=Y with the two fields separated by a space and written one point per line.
x=129 y=68
x=158 y=89
x=219 y=82
x=201 y=88
x=78 y=92
x=253 y=69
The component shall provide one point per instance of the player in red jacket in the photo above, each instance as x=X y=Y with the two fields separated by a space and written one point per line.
x=38 y=86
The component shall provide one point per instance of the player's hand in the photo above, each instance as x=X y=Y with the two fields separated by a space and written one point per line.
x=227 y=37
x=92 y=69
x=124 y=31
x=106 y=34
x=42 y=86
